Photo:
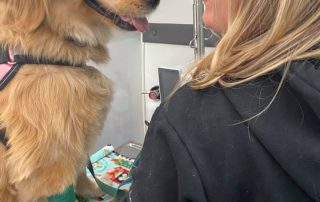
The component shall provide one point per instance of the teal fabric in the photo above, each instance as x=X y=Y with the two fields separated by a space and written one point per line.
x=67 y=196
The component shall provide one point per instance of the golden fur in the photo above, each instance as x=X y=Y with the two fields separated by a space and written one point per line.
x=52 y=114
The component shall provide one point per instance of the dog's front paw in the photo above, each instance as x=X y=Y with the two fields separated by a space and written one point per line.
x=88 y=188
x=95 y=191
x=92 y=192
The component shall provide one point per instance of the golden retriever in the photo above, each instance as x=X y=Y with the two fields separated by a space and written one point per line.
x=53 y=113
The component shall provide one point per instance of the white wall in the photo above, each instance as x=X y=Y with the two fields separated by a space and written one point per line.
x=173 y=11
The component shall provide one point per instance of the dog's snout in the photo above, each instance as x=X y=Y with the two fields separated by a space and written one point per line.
x=153 y=3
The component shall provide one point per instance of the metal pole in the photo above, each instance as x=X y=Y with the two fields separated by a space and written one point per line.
x=198 y=9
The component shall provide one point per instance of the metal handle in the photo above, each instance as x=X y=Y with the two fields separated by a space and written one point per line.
x=153 y=93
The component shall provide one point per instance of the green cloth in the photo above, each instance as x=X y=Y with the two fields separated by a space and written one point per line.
x=67 y=196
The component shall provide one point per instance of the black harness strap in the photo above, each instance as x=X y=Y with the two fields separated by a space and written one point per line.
x=19 y=61
x=13 y=71
x=26 y=59
x=3 y=138
x=4 y=56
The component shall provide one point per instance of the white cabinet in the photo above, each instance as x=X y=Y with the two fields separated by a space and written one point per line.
x=156 y=55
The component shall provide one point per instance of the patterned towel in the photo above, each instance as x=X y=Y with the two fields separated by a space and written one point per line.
x=111 y=168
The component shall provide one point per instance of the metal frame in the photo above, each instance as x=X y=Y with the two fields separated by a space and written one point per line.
x=184 y=34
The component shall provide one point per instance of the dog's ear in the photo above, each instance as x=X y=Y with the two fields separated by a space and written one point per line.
x=24 y=15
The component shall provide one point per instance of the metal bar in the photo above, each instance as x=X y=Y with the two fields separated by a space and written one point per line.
x=198 y=45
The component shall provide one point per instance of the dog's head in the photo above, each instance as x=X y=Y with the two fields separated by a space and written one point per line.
x=79 y=26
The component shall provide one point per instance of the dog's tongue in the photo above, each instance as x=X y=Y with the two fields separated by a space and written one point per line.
x=141 y=24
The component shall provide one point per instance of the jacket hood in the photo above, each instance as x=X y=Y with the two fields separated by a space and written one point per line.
x=290 y=128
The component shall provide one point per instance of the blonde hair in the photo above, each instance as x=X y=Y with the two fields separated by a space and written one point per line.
x=262 y=36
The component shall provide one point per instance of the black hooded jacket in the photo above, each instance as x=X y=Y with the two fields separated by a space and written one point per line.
x=199 y=148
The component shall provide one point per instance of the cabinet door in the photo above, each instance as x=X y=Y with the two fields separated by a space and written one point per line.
x=157 y=55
